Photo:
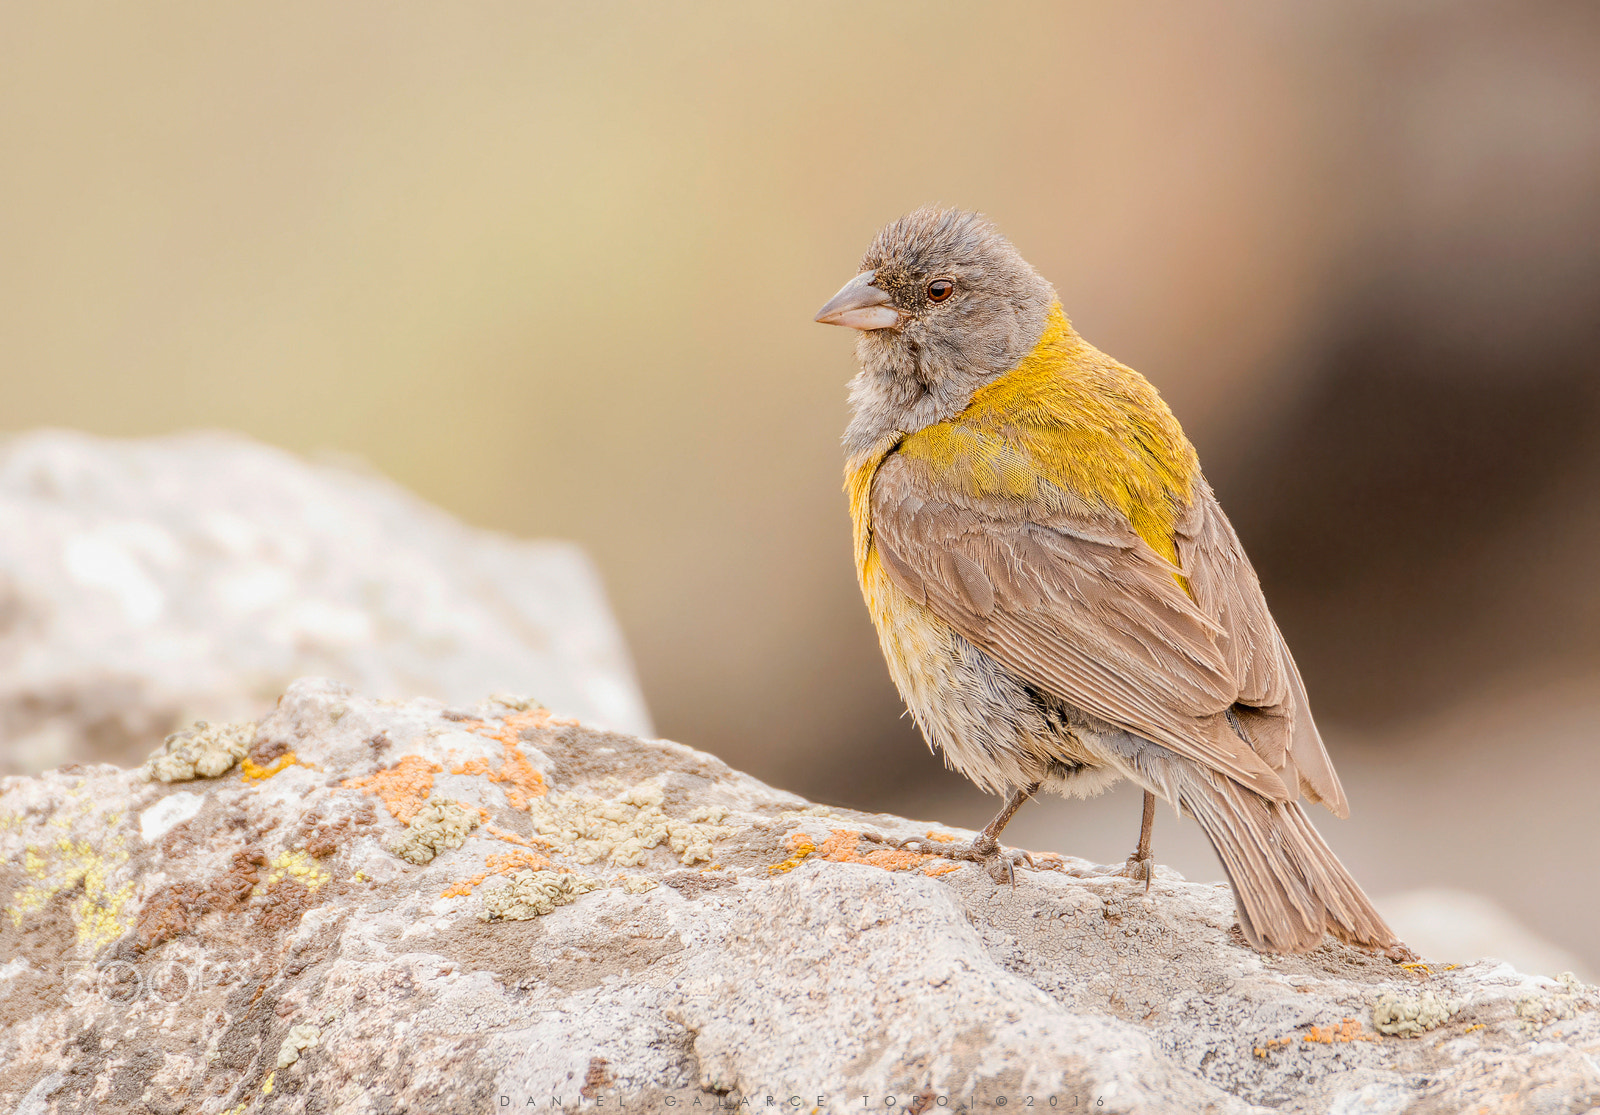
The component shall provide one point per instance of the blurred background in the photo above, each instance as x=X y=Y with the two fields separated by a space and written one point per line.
x=553 y=267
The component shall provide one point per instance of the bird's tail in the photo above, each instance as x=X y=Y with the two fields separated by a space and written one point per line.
x=1288 y=886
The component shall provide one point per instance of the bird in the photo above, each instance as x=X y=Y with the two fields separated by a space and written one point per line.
x=1059 y=596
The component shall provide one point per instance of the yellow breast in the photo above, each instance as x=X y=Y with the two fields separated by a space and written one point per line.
x=1066 y=424
x=1068 y=429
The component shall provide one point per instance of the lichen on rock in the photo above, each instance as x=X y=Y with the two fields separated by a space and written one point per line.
x=636 y=884
x=162 y=946
x=299 y=1039
x=203 y=751
x=437 y=827
x=532 y=894
x=1403 y=1015
x=1537 y=1010
x=620 y=829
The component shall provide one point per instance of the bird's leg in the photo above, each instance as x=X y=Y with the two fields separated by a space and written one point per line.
x=1001 y=864
x=1141 y=865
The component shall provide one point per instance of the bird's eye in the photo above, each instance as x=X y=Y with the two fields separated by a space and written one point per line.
x=940 y=289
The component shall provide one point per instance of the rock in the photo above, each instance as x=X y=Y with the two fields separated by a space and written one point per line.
x=631 y=923
x=148 y=583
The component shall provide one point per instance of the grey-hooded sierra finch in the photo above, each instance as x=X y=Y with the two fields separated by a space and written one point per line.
x=1060 y=598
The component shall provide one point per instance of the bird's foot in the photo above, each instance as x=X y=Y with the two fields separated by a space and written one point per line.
x=1000 y=863
x=1140 y=868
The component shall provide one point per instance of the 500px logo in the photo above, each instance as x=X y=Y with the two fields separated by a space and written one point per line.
x=120 y=981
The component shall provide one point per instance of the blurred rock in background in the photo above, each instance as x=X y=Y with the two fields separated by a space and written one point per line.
x=1457 y=927
x=147 y=583
x=553 y=268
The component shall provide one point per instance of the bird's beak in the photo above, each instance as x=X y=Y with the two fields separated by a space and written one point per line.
x=860 y=305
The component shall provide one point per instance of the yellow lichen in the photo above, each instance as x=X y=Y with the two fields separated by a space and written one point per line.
x=254 y=772
x=77 y=865
x=294 y=864
x=799 y=846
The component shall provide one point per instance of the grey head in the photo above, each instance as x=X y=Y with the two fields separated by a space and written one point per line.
x=944 y=304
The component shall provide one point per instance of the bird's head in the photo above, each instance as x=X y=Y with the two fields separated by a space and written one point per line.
x=944 y=304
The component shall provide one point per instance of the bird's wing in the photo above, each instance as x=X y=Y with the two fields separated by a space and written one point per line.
x=1276 y=715
x=1080 y=607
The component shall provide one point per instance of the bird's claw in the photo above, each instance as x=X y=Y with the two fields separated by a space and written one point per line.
x=1002 y=864
x=1138 y=868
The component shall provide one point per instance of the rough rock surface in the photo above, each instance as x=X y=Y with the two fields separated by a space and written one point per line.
x=599 y=921
x=145 y=583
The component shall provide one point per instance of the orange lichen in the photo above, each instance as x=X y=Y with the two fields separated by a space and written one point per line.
x=799 y=846
x=1270 y=1045
x=1347 y=1030
x=893 y=859
x=254 y=772
x=402 y=788
x=842 y=846
x=513 y=838
x=498 y=864
x=521 y=779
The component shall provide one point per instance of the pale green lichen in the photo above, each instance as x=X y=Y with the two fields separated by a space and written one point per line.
x=532 y=894
x=635 y=884
x=437 y=827
x=300 y=1038
x=1411 y=1015
x=203 y=751
x=1536 y=1011
x=620 y=830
